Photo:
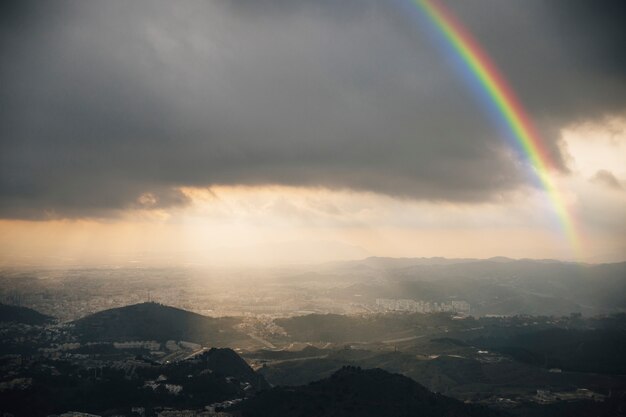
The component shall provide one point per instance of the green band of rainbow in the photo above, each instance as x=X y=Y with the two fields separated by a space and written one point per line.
x=509 y=107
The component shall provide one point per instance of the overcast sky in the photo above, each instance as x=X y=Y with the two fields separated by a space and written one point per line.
x=113 y=107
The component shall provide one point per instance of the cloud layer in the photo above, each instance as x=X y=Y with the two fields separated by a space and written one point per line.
x=113 y=105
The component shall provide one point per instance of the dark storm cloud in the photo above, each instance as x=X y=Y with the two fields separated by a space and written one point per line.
x=564 y=58
x=111 y=105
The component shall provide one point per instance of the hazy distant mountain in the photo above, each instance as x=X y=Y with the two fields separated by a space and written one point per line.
x=493 y=286
x=17 y=314
x=378 y=262
x=355 y=392
x=153 y=321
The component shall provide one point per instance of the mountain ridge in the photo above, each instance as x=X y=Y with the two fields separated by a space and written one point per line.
x=24 y=315
x=154 y=321
x=352 y=391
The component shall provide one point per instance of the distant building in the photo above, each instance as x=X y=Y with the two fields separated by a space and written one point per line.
x=172 y=346
x=173 y=388
x=178 y=413
x=414 y=306
x=189 y=345
x=140 y=411
x=138 y=344
x=544 y=396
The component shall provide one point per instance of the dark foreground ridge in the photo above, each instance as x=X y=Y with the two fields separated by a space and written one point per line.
x=352 y=391
x=50 y=387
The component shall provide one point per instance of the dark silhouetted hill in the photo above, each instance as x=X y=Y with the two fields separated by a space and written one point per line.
x=215 y=376
x=355 y=392
x=153 y=321
x=227 y=362
x=598 y=351
x=17 y=314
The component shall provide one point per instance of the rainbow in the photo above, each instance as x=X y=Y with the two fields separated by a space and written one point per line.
x=509 y=109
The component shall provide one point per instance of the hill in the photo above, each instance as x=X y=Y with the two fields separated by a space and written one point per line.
x=17 y=314
x=153 y=321
x=337 y=328
x=215 y=376
x=597 y=351
x=499 y=286
x=353 y=391
x=456 y=371
x=227 y=362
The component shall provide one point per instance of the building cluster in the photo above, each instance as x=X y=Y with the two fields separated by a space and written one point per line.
x=548 y=397
x=418 y=306
x=151 y=345
x=209 y=411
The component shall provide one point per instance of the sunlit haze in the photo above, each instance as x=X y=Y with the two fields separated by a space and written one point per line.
x=233 y=133
x=265 y=225
x=312 y=208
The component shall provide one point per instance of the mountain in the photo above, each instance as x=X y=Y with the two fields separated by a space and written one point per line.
x=480 y=380
x=597 y=351
x=352 y=391
x=384 y=263
x=227 y=362
x=500 y=286
x=17 y=314
x=337 y=328
x=215 y=376
x=153 y=321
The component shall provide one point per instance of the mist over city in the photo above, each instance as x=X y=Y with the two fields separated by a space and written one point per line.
x=248 y=208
